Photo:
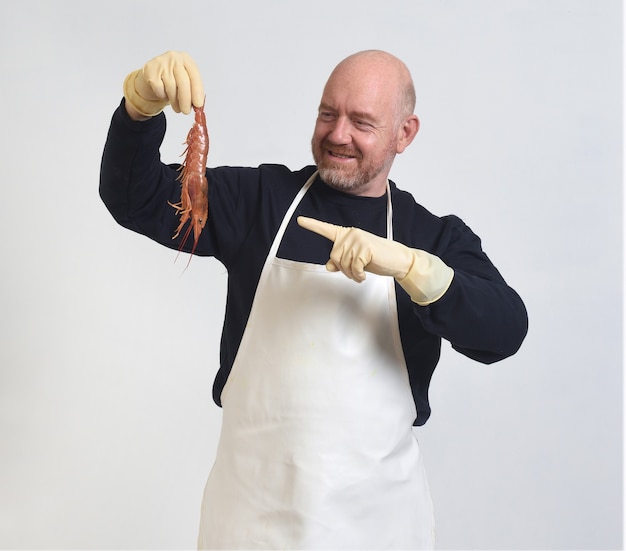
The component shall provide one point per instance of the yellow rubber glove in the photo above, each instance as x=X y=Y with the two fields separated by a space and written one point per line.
x=425 y=277
x=169 y=79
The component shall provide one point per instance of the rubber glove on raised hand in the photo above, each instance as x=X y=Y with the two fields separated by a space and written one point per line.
x=169 y=79
x=424 y=276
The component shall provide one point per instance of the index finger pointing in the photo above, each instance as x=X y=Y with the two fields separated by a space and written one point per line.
x=329 y=231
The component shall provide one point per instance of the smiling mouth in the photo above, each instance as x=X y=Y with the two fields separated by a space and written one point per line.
x=340 y=156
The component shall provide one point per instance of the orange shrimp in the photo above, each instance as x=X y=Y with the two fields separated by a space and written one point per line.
x=194 y=201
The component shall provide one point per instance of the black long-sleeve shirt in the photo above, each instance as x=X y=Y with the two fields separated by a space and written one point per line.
x=480 y=315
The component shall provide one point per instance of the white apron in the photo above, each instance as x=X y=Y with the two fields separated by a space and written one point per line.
x=317 y=449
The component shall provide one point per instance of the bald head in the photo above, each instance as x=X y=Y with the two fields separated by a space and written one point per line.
x=365 y=119
x=380 y=67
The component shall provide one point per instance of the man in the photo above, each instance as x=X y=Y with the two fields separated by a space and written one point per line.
x=340 y=290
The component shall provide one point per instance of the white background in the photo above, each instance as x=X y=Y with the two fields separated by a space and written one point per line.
x=108 y=351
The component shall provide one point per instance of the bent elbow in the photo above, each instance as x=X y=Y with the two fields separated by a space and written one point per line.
x=504 y=344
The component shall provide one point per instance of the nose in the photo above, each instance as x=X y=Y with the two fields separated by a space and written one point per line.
x=340 y=133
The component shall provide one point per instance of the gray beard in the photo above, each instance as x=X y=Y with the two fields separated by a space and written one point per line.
x=336 y=180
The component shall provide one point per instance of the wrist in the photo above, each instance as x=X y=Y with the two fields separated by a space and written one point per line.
x=137 y=106
x=133 y=113
x=427 y=279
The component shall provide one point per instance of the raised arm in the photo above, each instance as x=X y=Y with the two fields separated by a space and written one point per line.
x=137 y=188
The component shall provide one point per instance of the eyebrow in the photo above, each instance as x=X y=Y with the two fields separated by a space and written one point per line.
x=354 y=114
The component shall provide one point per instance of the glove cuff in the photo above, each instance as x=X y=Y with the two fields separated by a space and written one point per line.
x=428 y=278
x=145 y=107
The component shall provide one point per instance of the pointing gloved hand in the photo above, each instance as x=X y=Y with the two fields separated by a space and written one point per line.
x=425 y=277
x=171 y=78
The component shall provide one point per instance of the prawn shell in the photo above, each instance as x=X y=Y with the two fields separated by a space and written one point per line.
x=193 y=207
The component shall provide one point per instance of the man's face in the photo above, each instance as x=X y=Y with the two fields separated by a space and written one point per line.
x=356 y=133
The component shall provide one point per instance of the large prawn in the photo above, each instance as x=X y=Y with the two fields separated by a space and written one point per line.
x=194 y=198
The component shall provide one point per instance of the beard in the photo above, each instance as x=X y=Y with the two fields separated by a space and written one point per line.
x=342 y=178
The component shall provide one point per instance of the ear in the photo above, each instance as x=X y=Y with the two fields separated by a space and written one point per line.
x=407 y=132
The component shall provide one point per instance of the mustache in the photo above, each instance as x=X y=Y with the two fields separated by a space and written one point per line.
x=345 y=150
